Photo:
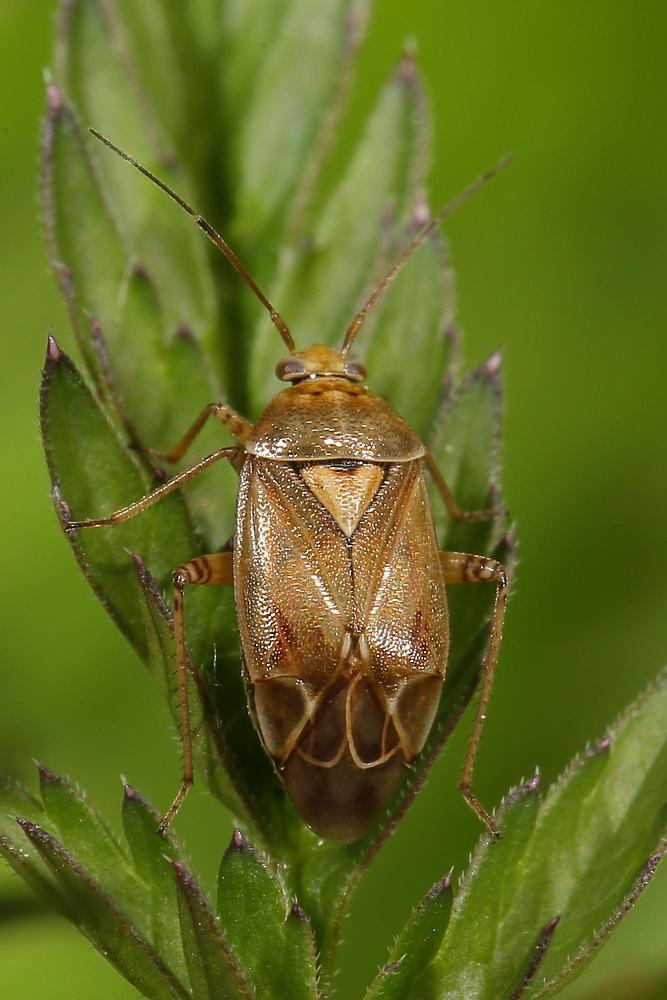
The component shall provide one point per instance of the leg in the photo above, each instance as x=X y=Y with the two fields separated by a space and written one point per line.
x=451 y=504
x=125 y=513
x=214 y=569
x=233 y=421
x=458 y=567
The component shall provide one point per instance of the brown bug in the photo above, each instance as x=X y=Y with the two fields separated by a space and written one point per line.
x=339 y=584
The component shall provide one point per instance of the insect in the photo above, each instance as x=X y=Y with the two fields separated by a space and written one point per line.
x=339 y=583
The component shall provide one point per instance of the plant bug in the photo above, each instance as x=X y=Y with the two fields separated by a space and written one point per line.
x=338 y=580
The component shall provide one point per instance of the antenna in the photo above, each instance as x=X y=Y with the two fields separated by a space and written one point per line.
x=214 y=237
x=416 y=242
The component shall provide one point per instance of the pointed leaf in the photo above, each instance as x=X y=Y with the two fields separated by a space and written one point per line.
x=214 y=970
x=407 y=972
x=273 y=941
x=407 y=324
x=22 y=857
x=481 y=969
x=106 y=926
x=152 y=854
x=585 y=860
x=270 y=143
x=464 y=443
x=85 y=247
x=96 y=70
x=320 y=283
x=88 y=839
x=97 y=478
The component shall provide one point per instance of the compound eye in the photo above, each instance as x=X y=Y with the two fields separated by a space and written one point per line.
x=355 y=371
x=290 y=368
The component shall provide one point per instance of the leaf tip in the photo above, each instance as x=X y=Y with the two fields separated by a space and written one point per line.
x=130 y=794
x=521 y=791
x=32 y=830
x=407 y=67
x=47 y=776
x=239 y=841
x=298 y=913
x=54 y=99
x=139 y=565
x=53 y=352
x=490 y=370
x=533 y=784
x=185 y=333
x=442 y=886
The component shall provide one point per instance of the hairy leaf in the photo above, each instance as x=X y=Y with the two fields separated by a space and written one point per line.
x=104 y=923
x=586 y=853
x=214 y=971
x=271 y=937
x=408 y=971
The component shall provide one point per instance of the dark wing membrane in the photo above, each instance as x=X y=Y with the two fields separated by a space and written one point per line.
x=400 y=601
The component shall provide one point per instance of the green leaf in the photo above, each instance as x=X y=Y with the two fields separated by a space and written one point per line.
x=534 y=961
x=271 y=937
x=320 y=281
x=152 y=855
x=106 y=926
x=22 y=857
x=270 y=143
x=589 y=850
x=97 y=71
x=214 y=971
x=410 y=323
x=465 y=442
x=407 y=972
x=95 y=479
x=481 y=969
x=86 y=251
x=96 y=850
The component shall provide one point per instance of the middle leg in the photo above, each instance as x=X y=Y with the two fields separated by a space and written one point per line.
x=452 y=506
x=204 y=570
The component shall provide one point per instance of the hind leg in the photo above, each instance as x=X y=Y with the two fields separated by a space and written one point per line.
x=458 y=567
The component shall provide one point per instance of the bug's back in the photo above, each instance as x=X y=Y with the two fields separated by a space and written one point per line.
x=341 y=609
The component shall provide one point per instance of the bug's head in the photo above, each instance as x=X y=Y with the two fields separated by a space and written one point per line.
x=318 y=361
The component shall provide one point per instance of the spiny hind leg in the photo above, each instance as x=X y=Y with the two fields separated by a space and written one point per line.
x=458 y=567
x=448 y=497
x=204 y=570
x=233 y=421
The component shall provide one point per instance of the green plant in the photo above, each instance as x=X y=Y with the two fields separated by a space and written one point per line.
x=163 y=326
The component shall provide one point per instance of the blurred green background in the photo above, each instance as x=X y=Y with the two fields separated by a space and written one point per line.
x=561 y=262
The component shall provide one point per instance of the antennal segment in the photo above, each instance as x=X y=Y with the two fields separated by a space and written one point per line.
x=416 y=242
x=213 y=235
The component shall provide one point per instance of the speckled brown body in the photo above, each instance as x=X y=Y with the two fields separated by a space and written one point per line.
x=340 y=599
x=338 y=580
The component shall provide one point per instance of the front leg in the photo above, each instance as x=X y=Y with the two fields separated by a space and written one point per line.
x=233 y=455
x=229 y=418
x=458 y=567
